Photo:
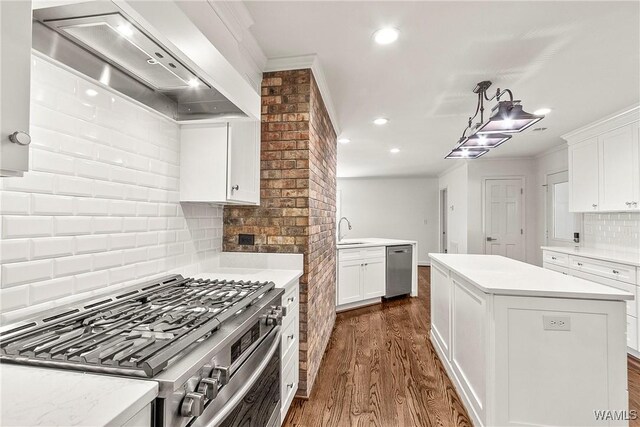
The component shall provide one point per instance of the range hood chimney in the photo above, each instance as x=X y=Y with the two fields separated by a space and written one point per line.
x=100 y=40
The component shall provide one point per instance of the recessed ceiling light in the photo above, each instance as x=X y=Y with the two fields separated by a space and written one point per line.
x=381 y=121
x=91 y=92
x=386 y=35
x=394 y=150
x=344 y=140
x=542 y=111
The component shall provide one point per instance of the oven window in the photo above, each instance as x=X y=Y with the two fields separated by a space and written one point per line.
x=258 y=406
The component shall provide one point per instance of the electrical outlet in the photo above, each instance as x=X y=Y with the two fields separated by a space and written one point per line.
x=556 y=323
x=246 y=239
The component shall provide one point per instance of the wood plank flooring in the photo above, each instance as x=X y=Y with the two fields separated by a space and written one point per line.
x=381 y=370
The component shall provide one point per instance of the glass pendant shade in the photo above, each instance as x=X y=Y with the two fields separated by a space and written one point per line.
x=508 y=117
x=466 y=153
x=491 y=140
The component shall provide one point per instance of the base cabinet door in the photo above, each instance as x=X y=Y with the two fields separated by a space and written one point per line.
x=374 y=279
x=349 y=281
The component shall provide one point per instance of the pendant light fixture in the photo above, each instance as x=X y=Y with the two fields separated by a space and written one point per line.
x=507 y=118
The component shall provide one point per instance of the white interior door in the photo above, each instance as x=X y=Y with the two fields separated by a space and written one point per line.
x=504 y=232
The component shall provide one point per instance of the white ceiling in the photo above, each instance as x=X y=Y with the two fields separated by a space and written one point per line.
x=582 y=59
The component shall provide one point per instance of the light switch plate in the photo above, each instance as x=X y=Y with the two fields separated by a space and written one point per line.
x=556 y=323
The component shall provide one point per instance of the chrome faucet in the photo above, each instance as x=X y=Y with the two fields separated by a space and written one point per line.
x=340 y=236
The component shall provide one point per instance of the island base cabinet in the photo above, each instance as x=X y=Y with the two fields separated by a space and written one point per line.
x=519 y=360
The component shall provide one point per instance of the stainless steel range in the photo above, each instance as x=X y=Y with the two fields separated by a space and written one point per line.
x=213 y=347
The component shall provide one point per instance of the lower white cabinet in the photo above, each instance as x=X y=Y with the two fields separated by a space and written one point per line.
x=361 y=276
x=616 y=275
x=289 y=346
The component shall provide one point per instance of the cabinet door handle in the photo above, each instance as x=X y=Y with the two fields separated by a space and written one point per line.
x=553 y=258
x=291 y=299
x=616 y=272
x=628 y=204
x=594 y=205
x=21 y=138
x=235 y=187
x=290 y=336
x=290 y=385
x=579 y=264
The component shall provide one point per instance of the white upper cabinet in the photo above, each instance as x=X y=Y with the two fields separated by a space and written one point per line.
x=619 y=169
x=15 y=73
x=244 y=162
x=604 y=164
x=220 y=163
x=583 y=176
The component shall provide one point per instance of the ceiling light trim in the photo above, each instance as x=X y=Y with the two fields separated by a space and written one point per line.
x=312 y=62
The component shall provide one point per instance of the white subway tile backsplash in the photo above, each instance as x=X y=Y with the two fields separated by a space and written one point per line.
x=14 y=203
x=45 y=204
x=51 y=289
x=100 y=206
x=25 y=272
x=72 y=265
x=616 y=231
x=14 y=250
x=73 y=186
x=26 y=226
x=14 y=298
x=94 y=243
x=72 y=226
x=51 y=247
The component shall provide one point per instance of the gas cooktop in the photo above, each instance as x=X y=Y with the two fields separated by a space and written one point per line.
x=137 y=333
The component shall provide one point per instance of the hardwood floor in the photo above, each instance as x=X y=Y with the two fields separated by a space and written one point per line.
x=380 y=369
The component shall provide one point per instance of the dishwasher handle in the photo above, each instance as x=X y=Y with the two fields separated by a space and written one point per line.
x=401 y=251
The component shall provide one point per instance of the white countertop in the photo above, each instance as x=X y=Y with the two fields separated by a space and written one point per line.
x=494 y=274
x=369 y=242
x=50 y=397
x=623 y=257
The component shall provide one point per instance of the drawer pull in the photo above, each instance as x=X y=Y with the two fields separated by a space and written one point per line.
x=580 y=264
x=290 y=385
x=291 y=299
x=290 y=336
x=553 y=258
x=616 y=272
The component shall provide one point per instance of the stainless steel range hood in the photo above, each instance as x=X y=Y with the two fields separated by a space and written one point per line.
x=101 y=41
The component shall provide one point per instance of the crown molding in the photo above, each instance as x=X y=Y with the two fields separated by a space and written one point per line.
x=618 y=119
x=312 y=62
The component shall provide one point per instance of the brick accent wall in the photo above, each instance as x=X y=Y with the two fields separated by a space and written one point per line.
x=298 y=203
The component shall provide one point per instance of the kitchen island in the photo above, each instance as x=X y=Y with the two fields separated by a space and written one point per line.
x=529 y=346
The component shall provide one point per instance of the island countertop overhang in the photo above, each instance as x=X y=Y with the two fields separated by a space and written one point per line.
x=493 y=274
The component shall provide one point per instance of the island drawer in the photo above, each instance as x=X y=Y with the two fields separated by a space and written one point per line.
x=555 y=258
x=610 y=270
x=632 y=306
x=554 y=267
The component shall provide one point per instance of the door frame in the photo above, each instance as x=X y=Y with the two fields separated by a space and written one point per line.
x=523 y=217
x=443 y=219
x=546 y=206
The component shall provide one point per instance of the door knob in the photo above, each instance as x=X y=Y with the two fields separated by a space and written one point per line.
x=491 y=239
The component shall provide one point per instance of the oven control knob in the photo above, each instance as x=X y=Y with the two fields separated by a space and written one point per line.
x=220 y=374
x=274 y=317
x=192 y=405
x=208 y=387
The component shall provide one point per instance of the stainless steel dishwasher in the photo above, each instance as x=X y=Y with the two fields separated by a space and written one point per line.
x=399 y=274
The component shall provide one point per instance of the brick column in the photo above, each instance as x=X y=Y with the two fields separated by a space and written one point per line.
x=298 y=203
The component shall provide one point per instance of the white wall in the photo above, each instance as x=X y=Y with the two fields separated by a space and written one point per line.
x=394 y=208
x=456 y=182
x=99 y=207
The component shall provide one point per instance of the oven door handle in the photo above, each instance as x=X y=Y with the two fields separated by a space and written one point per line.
x=231 y=403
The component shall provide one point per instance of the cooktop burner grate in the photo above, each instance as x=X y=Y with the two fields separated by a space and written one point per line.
x=136 y=333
